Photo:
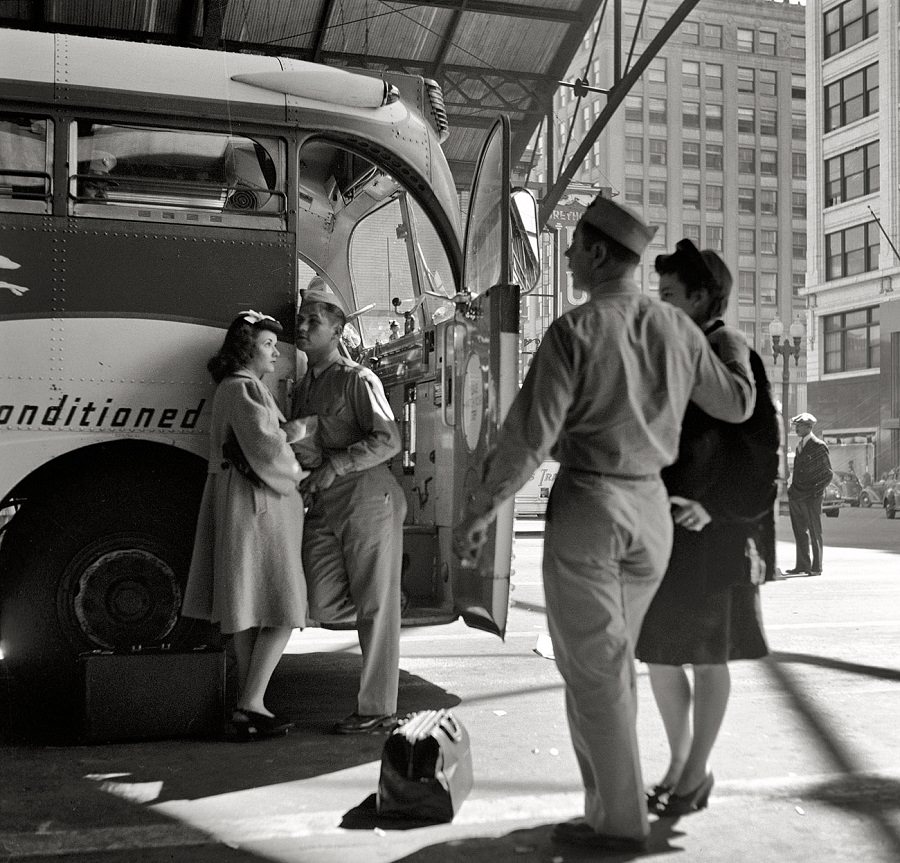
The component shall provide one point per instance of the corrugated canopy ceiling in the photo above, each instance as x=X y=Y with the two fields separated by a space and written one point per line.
x=490 y=56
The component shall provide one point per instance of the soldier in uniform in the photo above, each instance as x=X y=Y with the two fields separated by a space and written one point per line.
x=353 y=532
x=606 y=392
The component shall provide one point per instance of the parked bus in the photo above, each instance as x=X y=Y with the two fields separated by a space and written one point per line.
x=147 y=195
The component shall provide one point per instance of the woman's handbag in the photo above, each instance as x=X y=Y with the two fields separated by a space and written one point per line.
x=426 y=768
x=232 y=452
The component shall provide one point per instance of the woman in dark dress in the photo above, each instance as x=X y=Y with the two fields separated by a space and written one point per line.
x=707 y=610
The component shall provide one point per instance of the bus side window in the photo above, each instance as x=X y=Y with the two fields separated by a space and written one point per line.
x=26 y=146
x=167 y=169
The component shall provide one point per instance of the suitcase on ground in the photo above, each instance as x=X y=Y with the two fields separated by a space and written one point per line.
x=426 y=768
x=147 y=695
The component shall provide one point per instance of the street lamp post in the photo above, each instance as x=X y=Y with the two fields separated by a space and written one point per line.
x=785 y=349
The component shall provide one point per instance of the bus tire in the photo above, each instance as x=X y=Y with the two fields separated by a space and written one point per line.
x=99 y=564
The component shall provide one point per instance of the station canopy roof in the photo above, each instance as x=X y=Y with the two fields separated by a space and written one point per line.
x=489 y=56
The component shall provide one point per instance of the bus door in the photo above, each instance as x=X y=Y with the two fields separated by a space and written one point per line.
x=477 y=362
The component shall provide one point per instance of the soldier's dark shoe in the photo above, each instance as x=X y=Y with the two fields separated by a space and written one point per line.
x=581 y=833
x=796 y=571
x=357 y=723
x=815 y=572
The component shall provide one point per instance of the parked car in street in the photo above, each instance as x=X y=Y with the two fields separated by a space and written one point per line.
x=873 y=494
x=891 y=497
x=832 y=500
x=850 y=487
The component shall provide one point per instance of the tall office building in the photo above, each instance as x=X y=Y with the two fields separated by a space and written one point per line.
x=709 y=144
x=853 y=281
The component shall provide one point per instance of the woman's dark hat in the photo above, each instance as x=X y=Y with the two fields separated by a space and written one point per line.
x=259 y=321
x=707 y=265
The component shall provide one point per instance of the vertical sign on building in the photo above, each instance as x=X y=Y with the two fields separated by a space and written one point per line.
x=563 y=220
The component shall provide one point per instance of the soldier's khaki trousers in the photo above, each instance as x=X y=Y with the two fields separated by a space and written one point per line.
x=352 y=557
x=607 y=542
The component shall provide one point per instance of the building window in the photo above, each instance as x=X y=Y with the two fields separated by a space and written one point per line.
x=798 y=245
x=690 y=115
x=746 y=286
x=746 y=241
x=634 y=149
x=798 y=125
x=849 y=23
x=715 y=237
x=656 y=193
x=798 y=166
x=714 y=158
x=654 y=25
x=656 y=151
x=656 y=71
x=712 y=76
x=851 y=98
x=712 y=35
x=746 y=120
x=690 y=33
x=691 y=232
x=768 y=121
x=852 y=174
x=746 y=160
x=690 y=73
x=713 y=198
x=634 y=109
x=586 y=117
x=852 y=251
x=798 y=283
x=798 y=205
x=660 y=237
x=690 y=154
x=634 y=191
x=748 y=330
x=798 y=86
x=768 y=289
x=768 y=202
x=657 y=110
x=768 y=242
x=768 y=163
x=746 y=80
x=852 y=340
x=747 y=200
x=690 y=196
x=798 y=46
x=745 y=40
x=713 y=117
x=767 y=82
x=766 y=43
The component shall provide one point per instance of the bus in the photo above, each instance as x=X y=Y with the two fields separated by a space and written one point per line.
x=147 y=195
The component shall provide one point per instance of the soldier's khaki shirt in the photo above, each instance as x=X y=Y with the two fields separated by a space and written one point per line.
x=607 y=390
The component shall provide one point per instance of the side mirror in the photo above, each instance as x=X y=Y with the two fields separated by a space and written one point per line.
x=525 y=257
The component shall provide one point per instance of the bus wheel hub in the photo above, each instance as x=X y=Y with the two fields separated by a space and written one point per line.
x=125 y=597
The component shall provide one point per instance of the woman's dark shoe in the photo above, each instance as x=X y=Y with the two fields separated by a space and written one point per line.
x=249 y=725
x=684 y=804
x=657 y=796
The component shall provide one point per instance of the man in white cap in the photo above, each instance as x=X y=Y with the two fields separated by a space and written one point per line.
x=809 y=479
x=605 y=394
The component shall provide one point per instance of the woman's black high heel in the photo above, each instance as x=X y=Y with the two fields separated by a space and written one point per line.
x=249 y=725
x=684 y=804
x=656 y=797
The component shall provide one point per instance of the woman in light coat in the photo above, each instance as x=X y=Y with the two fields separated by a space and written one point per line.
x=246 y=572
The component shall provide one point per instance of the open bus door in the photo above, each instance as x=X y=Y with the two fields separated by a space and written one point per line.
x=478 y=374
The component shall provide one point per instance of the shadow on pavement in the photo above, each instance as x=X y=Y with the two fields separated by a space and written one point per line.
x=535 y=844
x=875 y=798
x=876 y=671
x=99 y=786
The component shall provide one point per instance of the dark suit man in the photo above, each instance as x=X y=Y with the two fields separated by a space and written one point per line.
x=812 y=473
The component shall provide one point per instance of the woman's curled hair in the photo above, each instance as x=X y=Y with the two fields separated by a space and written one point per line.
x=237 y=349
